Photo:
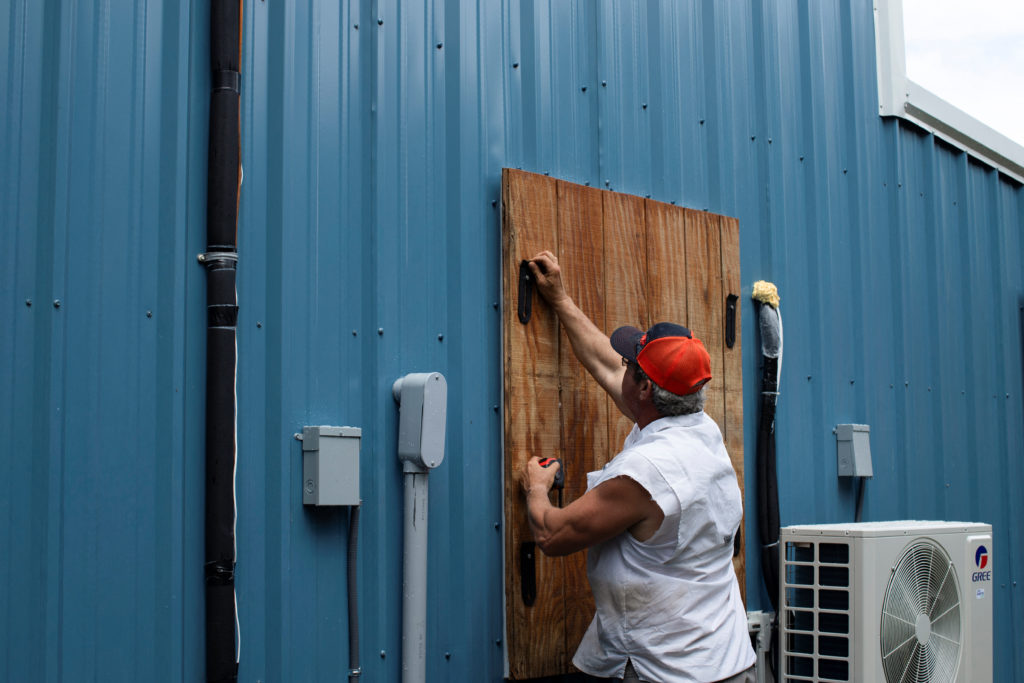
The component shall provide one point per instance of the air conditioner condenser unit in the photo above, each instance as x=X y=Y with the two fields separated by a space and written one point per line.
x=886 y=602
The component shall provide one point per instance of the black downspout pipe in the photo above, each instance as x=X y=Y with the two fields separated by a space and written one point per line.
x=220 y=259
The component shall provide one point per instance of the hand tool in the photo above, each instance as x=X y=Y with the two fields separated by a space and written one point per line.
x=559 y=475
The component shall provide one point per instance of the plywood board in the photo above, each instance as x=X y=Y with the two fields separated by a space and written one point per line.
x=627 y=261
x=583 y=402
x=732 y=375
x=625 y=286
x=666 y=256
x=704 y=300
x=532 y=427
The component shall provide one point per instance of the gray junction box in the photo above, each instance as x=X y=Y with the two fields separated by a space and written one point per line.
x=853 y=450
x=330 y=465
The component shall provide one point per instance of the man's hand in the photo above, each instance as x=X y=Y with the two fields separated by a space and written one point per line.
x=536 y=477
x=548 y=276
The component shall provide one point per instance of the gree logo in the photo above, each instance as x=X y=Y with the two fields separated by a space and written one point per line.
x=981 y=560
x=981 y=557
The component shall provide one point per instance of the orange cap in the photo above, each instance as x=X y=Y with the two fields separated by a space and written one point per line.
x=669 y=354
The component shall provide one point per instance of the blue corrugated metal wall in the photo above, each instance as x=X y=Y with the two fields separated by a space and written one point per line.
x=98 y=359
x=374 y=134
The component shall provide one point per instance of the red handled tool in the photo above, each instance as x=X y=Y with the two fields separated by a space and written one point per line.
x=559 y=475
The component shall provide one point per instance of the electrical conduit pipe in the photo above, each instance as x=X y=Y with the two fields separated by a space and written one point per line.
x=354 y=671
x=422 y=400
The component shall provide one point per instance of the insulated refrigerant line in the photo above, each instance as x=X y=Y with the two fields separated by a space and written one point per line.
x=223 y=644
x=770 y=326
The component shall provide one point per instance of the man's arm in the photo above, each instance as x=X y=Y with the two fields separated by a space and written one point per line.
x=590 y=345
x=607 y=510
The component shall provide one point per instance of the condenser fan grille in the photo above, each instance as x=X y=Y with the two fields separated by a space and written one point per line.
x=920 y=630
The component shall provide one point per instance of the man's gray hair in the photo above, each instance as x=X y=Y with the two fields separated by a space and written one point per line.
x=669 y=404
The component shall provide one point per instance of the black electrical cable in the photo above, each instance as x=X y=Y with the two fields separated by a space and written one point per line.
x=223 y=174
x=353 y=596
x=860 y=499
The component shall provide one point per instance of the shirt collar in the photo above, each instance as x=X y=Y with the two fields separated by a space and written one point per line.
x=674 y=421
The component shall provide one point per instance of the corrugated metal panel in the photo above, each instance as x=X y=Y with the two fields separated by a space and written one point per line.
x=96 y=533
x=369 y=247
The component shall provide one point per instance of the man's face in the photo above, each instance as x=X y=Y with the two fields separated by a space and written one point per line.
x=631 y=389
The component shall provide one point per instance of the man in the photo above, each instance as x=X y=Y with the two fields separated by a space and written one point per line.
x=659 y=519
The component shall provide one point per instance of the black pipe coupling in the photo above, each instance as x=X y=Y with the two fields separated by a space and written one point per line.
x=226 y=80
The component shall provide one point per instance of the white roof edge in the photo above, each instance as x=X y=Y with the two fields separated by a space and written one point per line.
x=901 y=97
x=963 y=131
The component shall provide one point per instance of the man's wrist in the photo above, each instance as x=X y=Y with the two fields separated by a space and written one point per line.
x=562 y=303
x=537 y=504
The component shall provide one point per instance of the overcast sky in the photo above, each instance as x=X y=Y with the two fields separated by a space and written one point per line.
x=971 y=54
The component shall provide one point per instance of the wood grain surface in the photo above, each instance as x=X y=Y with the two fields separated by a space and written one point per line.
x=532 y=427
x=704 y=300
x=583 y=401
x=666 y=250
x=732 y=376
x=625 y=286
x=626 y=261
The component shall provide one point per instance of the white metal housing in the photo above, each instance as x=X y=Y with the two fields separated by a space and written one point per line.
x=834 y=579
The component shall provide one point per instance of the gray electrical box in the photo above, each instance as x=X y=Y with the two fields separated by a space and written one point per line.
x=853 y=450
x=330 y=465
x=423 y=410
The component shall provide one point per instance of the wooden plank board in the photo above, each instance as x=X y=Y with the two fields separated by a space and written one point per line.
x=704 y=306
x=583 y=401
x=732 y=366
x=626 y=261
x=532 y=425
x=625 y=267
x=666 y=252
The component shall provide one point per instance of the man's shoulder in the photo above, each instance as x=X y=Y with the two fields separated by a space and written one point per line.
x=698 y=426
x=687 y=441
x=630 y=455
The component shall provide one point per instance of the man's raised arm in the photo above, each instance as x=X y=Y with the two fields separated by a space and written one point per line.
x=590 y=345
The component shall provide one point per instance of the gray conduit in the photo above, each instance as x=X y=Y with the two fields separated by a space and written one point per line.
x=414 y=579
x=423 y=401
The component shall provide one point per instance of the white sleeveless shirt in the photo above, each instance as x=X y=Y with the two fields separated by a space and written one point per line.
x=671 y=604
